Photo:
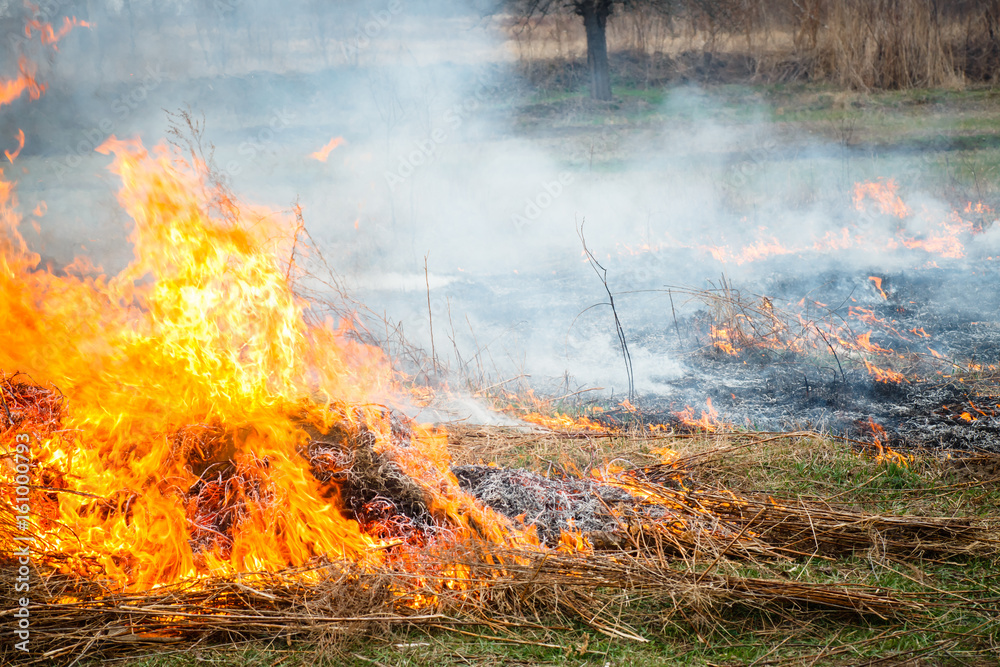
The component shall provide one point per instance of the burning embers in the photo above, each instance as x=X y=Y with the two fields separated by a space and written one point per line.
x=905 y=350
x=892 y=319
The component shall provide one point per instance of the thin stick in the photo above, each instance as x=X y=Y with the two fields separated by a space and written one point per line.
x=673 y=312
x=3 y=401
x=602 y=273
x=843 y=375
x=430 y=315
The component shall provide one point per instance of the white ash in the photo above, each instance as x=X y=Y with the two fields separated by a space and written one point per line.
x=551 y=505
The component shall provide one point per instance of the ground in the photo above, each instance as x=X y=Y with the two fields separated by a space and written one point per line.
x=956 y=135
x=961 y=631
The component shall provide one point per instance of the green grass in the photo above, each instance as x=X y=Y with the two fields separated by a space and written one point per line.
x=942 y=142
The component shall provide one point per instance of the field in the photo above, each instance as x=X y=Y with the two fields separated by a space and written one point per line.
x=955 y=622
x=825 y=543
x=946 y=143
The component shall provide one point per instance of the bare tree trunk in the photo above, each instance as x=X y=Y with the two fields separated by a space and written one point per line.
x=595 y=20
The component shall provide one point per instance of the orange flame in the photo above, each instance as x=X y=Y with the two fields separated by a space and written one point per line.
x=11 y=89
x=721 y=340
x=708 y=422
x=20 y=144
x=883 y=193
x=50 y=36
x=198 y=352
x=884 y=375
x=323 y=153
x=943 y=237
x=878 y=286
x=864 y=342
x=565 y=422
x=884 y=453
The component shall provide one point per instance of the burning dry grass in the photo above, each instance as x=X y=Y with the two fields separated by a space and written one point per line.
x=668 y=543
x=676 y=541
x=675 y=550
x=692 y=490
x=682 y=548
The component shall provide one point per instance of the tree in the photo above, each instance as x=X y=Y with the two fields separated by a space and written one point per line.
x=595 y=15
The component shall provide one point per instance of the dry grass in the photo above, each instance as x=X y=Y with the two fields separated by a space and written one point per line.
x=862 y=44
x=699 y=544
x=530 y=590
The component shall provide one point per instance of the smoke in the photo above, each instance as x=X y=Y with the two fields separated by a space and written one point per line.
x=448 y=157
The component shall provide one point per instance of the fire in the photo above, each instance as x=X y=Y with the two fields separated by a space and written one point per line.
x=49 y=35
x=878 y=286
x=883 y=193
x=970 y=413
x=323 y=153
x=884 y=375
x=11 y=89
x=564 y=422
x=637 y=249
x=721 y=340
x=865 y=343
x=535 y=409
x=942 y=236
x=760 y=326
x=708 y=422
x=758 y=250
x=206 y=416
x=883 y=453
x=17 y=151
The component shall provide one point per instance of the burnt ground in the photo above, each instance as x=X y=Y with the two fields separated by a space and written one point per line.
x=937 y=326
x=940 y=324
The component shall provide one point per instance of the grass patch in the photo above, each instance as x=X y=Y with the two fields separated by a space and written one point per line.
x=942 y=142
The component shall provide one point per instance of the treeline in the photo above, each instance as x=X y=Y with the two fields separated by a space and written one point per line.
x=862 y=44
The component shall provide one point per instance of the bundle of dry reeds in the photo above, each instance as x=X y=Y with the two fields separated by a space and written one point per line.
x=83 y=620
x=796 y=527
